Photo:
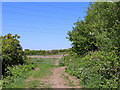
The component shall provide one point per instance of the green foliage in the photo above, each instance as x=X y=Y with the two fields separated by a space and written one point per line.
x=12 y=53
x=66 y=61
x=16 y=72
x=99 y=31
x=43 y=52
x=98 y=69
x=61 y=63
x=82 y=40
x=33 y=84
x=96 y=41
x=0 y=84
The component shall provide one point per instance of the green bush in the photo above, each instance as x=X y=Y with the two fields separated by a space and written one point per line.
x=100 y=29
x=61 y=63
x=12 y=53
x=15 y=72
x=66 y=61
x=99 y=69
x=96 y=44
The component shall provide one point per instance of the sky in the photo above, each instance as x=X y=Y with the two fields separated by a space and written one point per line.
x=42 y=25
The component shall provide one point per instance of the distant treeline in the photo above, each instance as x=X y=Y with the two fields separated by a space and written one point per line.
x=43 y=52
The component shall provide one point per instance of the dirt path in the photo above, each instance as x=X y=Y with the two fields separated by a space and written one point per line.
x=60 y=79
x=46 y=56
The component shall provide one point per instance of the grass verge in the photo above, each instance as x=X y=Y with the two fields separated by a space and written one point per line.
x=44 y=69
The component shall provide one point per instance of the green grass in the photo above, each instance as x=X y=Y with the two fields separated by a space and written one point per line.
x=70 y=83
x=36 y=83
x=44 y=70
x=61 y=53
x=33 y=84
x=50 y=61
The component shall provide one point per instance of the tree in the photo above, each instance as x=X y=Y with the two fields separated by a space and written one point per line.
x=99 y=31
x=11 y=51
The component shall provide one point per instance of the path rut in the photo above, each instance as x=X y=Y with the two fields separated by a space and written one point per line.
x=57 y=80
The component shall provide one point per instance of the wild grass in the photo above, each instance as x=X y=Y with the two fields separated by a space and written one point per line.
x=44 y=69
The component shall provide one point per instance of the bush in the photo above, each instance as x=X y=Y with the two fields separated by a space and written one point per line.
x=12 y=53
x=15 y=72
x=100 y=29
x=99 y=69
x=61 y=63
x=98 y=34
x=66 y=61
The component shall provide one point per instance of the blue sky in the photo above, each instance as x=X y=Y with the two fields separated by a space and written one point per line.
x=42 y=25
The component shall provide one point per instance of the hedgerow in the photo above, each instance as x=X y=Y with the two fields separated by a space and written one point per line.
x=95 y=46
x=99 y=69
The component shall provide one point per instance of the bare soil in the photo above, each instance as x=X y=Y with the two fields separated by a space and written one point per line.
x=46 y=56
x=57 y=79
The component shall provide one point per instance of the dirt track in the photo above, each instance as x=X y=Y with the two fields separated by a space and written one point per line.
x=58 y=80
x=46 y=56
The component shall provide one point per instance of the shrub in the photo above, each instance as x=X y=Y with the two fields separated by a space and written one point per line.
x=98 y=34
x=15 y=72
x=12 y=53
x=99 y=69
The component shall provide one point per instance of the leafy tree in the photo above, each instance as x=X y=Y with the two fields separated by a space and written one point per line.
x=99 y=31
x=12 y=53
x=82 y=37
x=27 y=50
x=104 y=21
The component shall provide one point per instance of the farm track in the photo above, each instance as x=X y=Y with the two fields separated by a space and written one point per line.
x=46 y=56
x=59 y=78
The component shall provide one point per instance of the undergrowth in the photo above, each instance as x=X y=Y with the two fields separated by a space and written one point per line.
x=18 y=74
x=98 y=69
